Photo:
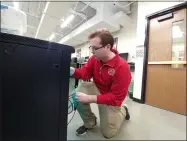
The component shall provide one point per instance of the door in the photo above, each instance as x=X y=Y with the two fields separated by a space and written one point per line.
x=166 y=69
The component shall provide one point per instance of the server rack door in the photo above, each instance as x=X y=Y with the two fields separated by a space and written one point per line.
x=30 y=93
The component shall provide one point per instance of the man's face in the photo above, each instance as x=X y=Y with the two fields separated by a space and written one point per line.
x=98 y=50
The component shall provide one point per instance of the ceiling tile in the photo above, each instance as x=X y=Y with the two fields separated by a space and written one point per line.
x=32 y=21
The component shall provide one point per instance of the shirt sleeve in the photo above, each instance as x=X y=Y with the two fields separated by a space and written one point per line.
x=119 y=89
x=86 y=72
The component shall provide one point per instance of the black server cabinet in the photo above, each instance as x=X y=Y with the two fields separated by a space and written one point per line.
x=34 y=88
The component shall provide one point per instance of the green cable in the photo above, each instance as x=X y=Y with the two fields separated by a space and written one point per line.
x=72 y=96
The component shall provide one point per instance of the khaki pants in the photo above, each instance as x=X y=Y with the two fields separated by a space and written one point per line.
x=111 y=117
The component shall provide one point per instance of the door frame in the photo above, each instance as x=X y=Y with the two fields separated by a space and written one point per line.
x=146 y=42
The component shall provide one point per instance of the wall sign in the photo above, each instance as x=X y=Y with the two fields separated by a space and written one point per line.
x=140 y=52
x=165 y=17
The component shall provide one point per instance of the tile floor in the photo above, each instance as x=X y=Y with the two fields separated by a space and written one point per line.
x=147 y=123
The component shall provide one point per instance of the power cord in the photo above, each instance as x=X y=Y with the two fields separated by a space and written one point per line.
x=72 y=104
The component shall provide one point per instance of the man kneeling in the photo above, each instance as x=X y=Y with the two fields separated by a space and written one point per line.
x=111 y=78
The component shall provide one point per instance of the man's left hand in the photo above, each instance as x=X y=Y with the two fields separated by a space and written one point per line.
x=84 y=98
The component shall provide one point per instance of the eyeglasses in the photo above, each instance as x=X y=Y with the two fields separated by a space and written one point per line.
x=93 y=48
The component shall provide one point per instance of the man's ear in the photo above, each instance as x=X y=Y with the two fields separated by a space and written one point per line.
x=109 y=46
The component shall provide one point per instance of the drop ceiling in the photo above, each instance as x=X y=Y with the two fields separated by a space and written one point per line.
x=42 y=24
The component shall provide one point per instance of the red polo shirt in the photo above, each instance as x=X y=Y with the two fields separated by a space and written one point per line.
x=112 y=78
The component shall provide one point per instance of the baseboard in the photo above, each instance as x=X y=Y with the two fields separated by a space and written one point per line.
x=137 y=100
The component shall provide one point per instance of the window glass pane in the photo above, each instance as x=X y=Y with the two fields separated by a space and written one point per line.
x=178 y=43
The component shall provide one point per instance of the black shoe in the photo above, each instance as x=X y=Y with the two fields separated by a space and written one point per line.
x=83 y=130
x=127 y=113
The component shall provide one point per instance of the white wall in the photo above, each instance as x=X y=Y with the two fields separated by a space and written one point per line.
x=84 y=49
x=126 y=37
x=144 y=9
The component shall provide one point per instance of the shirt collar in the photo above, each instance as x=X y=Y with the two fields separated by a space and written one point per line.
x=112 y=62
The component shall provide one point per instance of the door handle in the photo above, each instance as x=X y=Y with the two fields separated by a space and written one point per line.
x=167 y=63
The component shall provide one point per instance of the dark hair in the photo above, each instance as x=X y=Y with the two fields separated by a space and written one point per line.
x=105 y=36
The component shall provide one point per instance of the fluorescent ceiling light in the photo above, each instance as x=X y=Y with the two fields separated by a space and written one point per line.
x=52 y=37
x=177 y=32
x=16 y=4
x=41 y=20
x=64 y=39
x=67 y=21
